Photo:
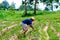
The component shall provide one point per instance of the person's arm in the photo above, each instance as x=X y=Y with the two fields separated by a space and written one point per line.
x=31 y=26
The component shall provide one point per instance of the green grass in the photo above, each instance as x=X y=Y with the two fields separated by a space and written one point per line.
x=56 y=26
x=52 y=35
x=6 y=24
x=10 y=32
x=40 y=18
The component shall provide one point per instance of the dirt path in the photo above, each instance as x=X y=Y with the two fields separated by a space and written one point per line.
x=13 y=37
x=58 y=22
x=54 y=30
x=45 y=28
x=3 y=22
x=7 y=28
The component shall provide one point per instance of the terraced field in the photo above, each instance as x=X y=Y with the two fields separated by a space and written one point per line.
x=48 y=30
x=46 y=27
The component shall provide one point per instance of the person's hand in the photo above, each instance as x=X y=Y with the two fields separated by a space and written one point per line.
x=33 y=28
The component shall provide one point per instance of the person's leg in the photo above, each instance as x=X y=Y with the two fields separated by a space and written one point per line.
x=25 y=32
x=25 y=29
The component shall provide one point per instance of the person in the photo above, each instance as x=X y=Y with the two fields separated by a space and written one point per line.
x=26 y=22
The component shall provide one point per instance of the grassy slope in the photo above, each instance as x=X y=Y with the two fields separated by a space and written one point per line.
x=41 y=18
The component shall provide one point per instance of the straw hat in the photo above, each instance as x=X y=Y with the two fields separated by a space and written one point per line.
x=32 y=18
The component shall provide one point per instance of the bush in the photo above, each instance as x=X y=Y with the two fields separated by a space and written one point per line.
x=2 y=14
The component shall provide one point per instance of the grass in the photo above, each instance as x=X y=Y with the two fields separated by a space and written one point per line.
x=56 y=26
x=52 y=35
x=10 y=32
x=41 y=18
x=6 y=24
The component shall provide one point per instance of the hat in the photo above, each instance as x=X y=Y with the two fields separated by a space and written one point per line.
x=32 y=18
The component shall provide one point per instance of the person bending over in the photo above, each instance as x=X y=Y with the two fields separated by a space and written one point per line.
x=26 y=22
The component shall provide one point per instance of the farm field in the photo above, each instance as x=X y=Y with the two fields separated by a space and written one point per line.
x=47 y=25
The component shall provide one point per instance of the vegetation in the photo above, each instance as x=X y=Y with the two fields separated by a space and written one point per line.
x=9 y=18
x=46 y=25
